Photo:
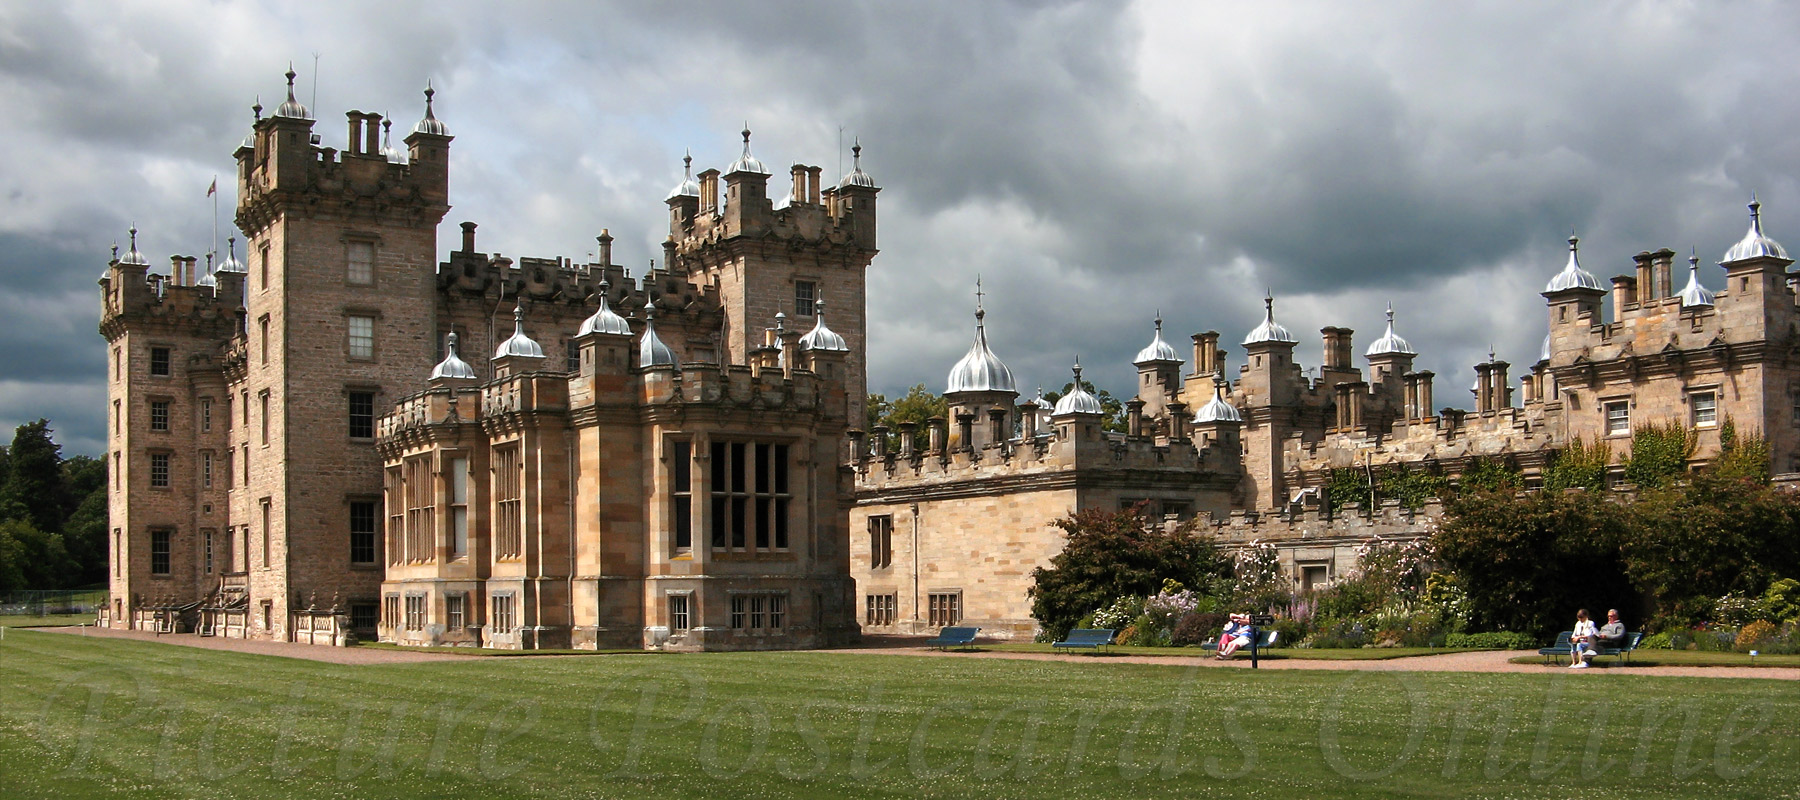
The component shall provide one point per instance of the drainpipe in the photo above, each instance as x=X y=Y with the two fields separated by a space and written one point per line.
x=915 y=569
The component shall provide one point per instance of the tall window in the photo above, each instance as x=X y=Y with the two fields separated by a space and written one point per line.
x=509 y=519
x=750 y=496
x=262 y=337
x=415 y=612
x=678 y=612
x=206 y=550
x=159 y=415
x=265 y=256
x=458 y=469
x=454 y=617
x=390 y=610
x=806 y=293
x=881 y=541
x=265 y=534
x=159 y=552
x=359 y=258
x=228 y=412
x=159 y=470
x=228 y=468
x=206 y=413
x=420 y=508
x=118 y=418
x=362 y=531
x=681 y=500
x=394 y=492
x=362 y=336
x=1706 y=409
x=879 y=609
x=572 y=353
x=362 y=415
x=265 y=416
x=945 y=608
x=246 y=460
x=159 y=361
x=1618 y=418
x=118 y=551
x=206 y=469
x=503 y=620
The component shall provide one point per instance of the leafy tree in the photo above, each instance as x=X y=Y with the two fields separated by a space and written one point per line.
x=1713 y=536
x=1659 y=453
x=917 y=405
x=1581 y=465
x=1527 y=563
x=31 y=558
x=84 y=536
x=1112 y=554
x=34 y=483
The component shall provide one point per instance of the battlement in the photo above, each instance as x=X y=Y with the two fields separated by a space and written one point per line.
x=282 y=169
x=1039 y=455
x=414 y=415
x=134 y=297
x=1323 y=525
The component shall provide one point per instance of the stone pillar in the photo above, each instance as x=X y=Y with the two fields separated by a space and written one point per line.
x=1501 y=393
x=1624 y=294
x=1029 y=419
x=965 y=431
x=936 y=426
x=1178 y=420
x=997 y=428
x=1425 y=398
x=908 y=434
x=1134 y=418
x=880 y=445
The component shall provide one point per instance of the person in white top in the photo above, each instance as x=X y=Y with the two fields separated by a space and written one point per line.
x=1581 y=642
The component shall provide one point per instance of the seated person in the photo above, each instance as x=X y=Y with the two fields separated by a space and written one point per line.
x=1612 y=634
x=1581 y=642
x=1236 y=634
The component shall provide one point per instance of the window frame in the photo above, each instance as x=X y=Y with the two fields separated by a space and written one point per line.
x=1607 y=418
x=162 y=548
x=159 y=416
x=351 y=272
x=881 y=541
x=944 y=607
x=361 y=425
x=680 y=611
x=162 y=361
x=369 y=539
x=806 y=297
x=1711 y=396
x=359 y=347
x=161 y=469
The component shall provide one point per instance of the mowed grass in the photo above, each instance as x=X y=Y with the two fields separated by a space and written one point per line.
x=1281 y=653
x=91 y=717
x=43 y=621
x=1678 y=658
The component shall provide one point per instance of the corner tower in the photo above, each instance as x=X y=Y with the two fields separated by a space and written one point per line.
x=339 y=321
x=764 y=259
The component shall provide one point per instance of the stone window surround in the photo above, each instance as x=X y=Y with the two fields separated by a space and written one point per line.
x=159 y=425
x=168 y=468
x=375 y=393
x=1606 y=406
x=374 y=242
x=1692 y=395
x=168 y=366
x=373 y=315
x=812 y=301
x=374 y=500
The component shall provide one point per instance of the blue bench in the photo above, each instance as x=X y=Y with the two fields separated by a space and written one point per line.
x=1559 y=648
x=1623 y=651
x=1086 y=638
x=947 y=638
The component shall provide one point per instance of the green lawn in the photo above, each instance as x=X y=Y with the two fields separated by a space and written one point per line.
x=1287 y=653
x=29 y=621
x=1683 y=658
x=491 y=653
x=92 y=717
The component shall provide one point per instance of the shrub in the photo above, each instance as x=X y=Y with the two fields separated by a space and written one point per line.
x=1735 y=609
x=1581 y=465
x=1782 y=600
x=1658 y=641
x=1348 y=598
x=1495 y=640
x=1343 y=634
x=1754 y=634
x=1111 y=555
x=1527 y=562
x=1198 y=627
x=1659 y=454
x=1120 y=613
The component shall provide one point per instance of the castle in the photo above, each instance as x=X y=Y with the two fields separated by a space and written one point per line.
x=314 y=444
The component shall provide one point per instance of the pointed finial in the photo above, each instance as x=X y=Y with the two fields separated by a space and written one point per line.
x=687 y=162
x=231 y=247
x=746 y=135
x=1159 y=320
x=133 y=237
x=428 y=94
x=256 y=110
x=649 y=306
x=605 y=236
x=855 y=153
x=819 y=309
x=1390 y=314
x=1573 y=241
x=1490 y=353
x=115 y=256
x=519 y=316
x=290 y=78
x=780 y=323
x=1077 y=369
x=450 y=343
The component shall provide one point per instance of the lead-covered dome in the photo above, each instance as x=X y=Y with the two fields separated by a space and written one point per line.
x=1572 y=275
x=132 y=256
x=1390 y=343
x=1157 y=349
x=452 y=366
x=292 y=108
x=604 y=320
x=856 y=177
x=519 y=344
x=431 y=124
x=1755 y=244
x=821 y=337
x=1216 y=409
x=688 y=187
x=1695 y=295
x=1269 y=331
x=980 y=370
x=747 y=162
x=1078 y=400
x=651 y=350
x=231 y=262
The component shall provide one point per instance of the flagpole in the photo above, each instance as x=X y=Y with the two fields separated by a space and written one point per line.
x=214 y=191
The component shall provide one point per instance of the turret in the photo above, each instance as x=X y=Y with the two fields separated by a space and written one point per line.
x=1159 y=374
x=980 y=381
x=746 y=193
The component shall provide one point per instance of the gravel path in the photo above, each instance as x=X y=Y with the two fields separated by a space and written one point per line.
x=1481 y=661
x=310 y=652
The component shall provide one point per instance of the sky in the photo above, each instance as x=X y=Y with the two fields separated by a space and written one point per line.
x=1094 y=163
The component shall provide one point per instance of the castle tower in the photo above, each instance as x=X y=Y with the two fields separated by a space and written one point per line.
x=340 y=322
x=979 y=384
x=1159 y=375
x=765 y=260
x=1270 y=383
x=1574 y=296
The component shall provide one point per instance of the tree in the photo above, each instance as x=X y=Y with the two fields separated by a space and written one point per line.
x=34 y=483
x=1659 y=453
x=1742 y=455
x=1112 y=554
x=1527 y=563
x=917 y=406
x=31 y=558
x=84 y=536
x=1714 y=535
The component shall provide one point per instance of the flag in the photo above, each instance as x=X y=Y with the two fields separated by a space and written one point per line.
x=214 y=188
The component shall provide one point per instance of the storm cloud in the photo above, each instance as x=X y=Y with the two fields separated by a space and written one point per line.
x=1095 y=163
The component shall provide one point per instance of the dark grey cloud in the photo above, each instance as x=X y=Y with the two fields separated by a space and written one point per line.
x=1092 y=161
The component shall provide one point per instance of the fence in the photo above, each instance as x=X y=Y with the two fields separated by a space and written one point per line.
x=51 y=602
